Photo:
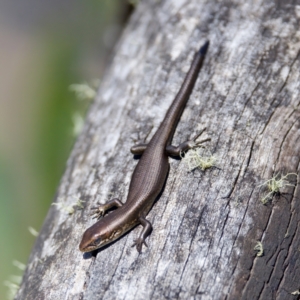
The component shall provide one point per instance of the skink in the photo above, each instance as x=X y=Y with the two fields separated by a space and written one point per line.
x=148 y=177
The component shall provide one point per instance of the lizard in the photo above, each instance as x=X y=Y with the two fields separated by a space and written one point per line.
x=149 y=175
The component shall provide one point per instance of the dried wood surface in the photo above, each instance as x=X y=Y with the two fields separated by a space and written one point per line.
x=205 y=224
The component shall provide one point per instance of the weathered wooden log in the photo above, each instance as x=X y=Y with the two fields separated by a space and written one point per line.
x=206 y=223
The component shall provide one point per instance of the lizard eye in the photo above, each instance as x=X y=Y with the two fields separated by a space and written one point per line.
x=97 y=241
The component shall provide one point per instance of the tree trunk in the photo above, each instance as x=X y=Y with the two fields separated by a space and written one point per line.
x=206 y=223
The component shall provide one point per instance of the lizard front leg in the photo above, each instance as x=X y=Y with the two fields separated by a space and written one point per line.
x=147 y=228
x=100 y=210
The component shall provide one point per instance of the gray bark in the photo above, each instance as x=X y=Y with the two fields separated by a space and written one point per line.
x=205 y=224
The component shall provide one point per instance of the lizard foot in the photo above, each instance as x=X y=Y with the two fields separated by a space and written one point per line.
x=139 y=244
x=98 y=212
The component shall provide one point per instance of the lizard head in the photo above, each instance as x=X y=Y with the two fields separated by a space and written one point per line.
x=98 y=236
x=90 y=241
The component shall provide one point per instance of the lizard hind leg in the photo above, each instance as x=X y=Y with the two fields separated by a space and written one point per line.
x=138 y=149
x=177 y=150
x=99 y=211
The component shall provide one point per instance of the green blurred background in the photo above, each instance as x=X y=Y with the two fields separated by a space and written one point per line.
x=45 y=47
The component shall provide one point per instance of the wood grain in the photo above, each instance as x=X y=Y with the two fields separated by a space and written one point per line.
x=205 y=224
